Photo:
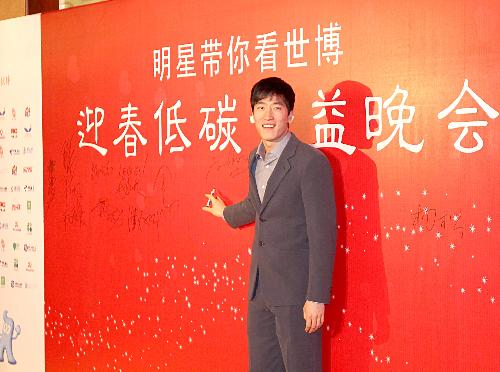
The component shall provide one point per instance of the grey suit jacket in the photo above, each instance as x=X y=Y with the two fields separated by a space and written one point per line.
x=295 y=230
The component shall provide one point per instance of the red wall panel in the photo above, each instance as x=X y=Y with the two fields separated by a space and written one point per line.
x=139 y=278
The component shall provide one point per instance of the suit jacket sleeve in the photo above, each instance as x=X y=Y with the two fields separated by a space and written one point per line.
x=319 y=205
x=241 y=213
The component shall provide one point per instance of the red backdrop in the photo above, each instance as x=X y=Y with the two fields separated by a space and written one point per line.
x=137 y=277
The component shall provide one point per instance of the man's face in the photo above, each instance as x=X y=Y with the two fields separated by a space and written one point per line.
x=271 y=119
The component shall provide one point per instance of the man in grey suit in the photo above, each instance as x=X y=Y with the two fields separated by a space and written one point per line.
x=292 y=203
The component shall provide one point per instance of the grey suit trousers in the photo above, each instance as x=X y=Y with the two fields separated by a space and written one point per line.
x=277 y=341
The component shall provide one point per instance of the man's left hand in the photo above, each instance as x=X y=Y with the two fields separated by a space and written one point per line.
x=314 y=315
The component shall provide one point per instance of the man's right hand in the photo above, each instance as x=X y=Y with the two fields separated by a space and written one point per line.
x=216 y=206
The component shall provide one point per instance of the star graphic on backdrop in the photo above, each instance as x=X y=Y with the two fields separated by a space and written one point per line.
x=473 y=205
x=371 y=337
x=479 y=290
x=489 y=219
x=398 y=193
x=452 y=246
x=381 y=194
x=424 y=193
x=472 y=228
x=438 y=235
x=455 y=217
x=407 y=247
x=462 y=290
x=420 y=229
x=375 y=237
x=363 y=196
x=484 y=279
x=492 y=300
x=488 y=229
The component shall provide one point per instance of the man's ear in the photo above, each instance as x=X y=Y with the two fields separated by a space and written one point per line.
x=290 y=116
x=252 y=119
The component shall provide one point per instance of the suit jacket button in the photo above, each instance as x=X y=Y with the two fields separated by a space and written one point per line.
x=261 y=243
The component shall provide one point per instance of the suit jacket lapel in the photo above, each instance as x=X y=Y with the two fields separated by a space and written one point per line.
x=254 y=194
x=281 y=169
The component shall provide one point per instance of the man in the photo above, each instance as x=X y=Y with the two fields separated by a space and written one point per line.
x=291 y=200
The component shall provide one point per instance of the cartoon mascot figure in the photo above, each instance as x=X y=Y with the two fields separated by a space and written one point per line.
x=6 y=337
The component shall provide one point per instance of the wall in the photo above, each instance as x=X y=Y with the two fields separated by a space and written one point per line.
x=138 y=278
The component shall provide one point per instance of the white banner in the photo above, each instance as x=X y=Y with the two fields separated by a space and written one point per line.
x=21 y=197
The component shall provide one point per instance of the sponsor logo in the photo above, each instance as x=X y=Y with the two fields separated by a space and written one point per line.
x=2 y=113
x=1 y=152
x=16 y=226
x=3 y=188
x=27 y=170
x=14 y=284
x=15 y=188
x=30 y=267
x=14 y=170
x=3 y=264
x=4 y=80
x=29 y=227
x=27 y=150
x=13 y=113
x=16 y=264
x=14 y=152
x=13 y=132
x=27 y=111
x=28 y=205
x=16 y=207
x=4 y=226
x=27 y=129
x=15 y=246
x=2 y=206
x=29 y=188
x=29 y=248
x=2 y=281
x=2 y=244
x=2 y=135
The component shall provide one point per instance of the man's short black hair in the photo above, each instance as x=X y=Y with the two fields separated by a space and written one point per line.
x=273 y=86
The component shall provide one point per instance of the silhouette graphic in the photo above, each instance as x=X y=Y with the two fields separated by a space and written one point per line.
x=358 y=314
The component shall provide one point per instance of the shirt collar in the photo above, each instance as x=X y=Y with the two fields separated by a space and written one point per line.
x=278 y=149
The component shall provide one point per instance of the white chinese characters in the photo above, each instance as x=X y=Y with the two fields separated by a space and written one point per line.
x=265 y=50
x=465 y=125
